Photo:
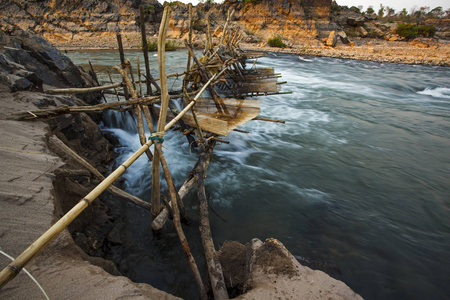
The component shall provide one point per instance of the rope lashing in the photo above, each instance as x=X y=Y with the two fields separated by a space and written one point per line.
x=157 y=137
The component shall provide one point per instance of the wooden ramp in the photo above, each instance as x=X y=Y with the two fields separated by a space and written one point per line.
x=233 y=114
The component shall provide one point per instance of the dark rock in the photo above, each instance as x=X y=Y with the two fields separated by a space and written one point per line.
x=344 y=38
x=44 y=102
x=358 y=21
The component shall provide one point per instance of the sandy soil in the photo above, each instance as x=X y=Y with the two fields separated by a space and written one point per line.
x=28 y=209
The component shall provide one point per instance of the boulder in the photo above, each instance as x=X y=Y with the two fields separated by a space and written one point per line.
x=421 y=43
x=344 y=38
x=332 y=39
x=28 y=61
x=355 y=21
x=267 y=270
x=362 y=31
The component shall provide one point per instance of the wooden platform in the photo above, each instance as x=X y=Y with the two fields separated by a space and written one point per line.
x=233 y=114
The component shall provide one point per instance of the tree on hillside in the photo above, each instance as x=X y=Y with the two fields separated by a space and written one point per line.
x=437 y=12
x=370 y=10
x=381 y=11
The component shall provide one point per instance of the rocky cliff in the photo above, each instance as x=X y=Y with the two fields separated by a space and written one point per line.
x=70 y=21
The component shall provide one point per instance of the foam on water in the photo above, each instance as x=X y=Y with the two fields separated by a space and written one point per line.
x=438 y=92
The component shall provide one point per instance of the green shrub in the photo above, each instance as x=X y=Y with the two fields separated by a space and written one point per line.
x=252 y=1
x=276 y=41
x=427 y=30
x=152 y=45
x=410 y=31
x=148 y=8
x=170 y=45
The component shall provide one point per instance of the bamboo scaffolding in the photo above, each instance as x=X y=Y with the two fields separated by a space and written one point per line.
x=11 y=271
x=226 y=58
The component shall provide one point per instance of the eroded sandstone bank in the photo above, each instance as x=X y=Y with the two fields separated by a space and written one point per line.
x=31 y=196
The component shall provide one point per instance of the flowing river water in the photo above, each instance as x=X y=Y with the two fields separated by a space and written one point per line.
x=358 y=178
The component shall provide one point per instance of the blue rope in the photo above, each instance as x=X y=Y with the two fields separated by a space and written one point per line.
x=156 y=139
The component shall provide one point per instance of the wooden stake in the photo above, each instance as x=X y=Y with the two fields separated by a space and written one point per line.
x=212 y=259
x=188 y=65
x=115 y=90
x=148 y=76
x=139 y=75
x=268 y=120
x=122 y=61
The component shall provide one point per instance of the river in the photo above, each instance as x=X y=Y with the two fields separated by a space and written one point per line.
x=357 y=179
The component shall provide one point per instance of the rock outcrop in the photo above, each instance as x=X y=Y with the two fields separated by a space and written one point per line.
x=32 y=197
x=267 y=270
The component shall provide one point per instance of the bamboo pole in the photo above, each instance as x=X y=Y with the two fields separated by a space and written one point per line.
x=11 y=271
x=63 y=150
x=98 y=108
x=212 y=259
x=225 y=28
x=83 y=90
x=156 y=186
x=208 y=34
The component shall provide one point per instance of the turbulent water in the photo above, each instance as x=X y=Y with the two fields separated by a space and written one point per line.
x=358 y=178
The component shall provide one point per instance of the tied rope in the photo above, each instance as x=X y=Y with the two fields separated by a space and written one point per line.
x=157 y=137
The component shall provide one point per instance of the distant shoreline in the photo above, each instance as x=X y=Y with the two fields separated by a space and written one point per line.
x=424 y=52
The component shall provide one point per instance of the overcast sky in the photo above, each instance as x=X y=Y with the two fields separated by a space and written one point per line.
x=398 y=5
